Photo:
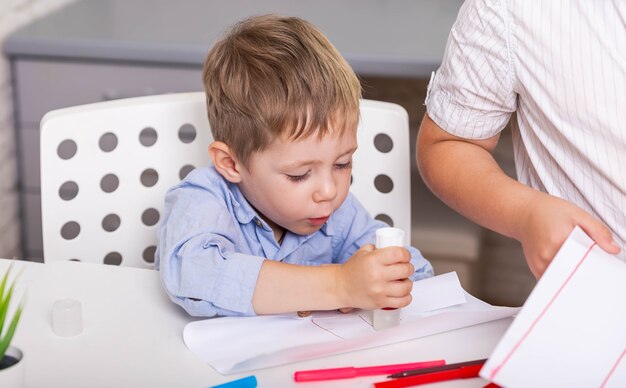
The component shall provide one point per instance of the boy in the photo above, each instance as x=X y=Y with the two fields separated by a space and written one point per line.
x=271 y=227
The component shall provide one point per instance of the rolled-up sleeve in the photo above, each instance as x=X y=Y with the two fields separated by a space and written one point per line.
x=472 y=94
x=200 y=266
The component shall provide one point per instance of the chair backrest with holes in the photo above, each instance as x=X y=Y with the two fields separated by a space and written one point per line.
x=381 y=173
x=105 y=168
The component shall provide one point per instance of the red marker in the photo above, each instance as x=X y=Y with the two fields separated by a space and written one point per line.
x=351 y=372
x=464 y=370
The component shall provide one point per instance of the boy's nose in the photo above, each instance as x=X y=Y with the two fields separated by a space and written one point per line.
x=326 y=190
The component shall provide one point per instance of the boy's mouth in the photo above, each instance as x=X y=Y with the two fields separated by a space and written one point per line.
x=318 y=221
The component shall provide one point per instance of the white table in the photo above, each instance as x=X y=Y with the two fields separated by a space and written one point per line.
x=132 y=336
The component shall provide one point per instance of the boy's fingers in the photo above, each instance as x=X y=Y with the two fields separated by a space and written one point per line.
x=367 y=248
x=392 y=255
x=400 y=288
x=399 y=271
x=399 y=302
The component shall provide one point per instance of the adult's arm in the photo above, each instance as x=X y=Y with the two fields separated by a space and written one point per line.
x=464 y=174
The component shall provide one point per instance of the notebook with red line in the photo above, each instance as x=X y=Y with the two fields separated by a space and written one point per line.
x=571 y=332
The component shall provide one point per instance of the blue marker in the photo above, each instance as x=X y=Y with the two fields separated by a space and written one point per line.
x=246 y=382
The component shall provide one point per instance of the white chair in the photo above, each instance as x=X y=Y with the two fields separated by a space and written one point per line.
x=381 y=173
x=105 y=168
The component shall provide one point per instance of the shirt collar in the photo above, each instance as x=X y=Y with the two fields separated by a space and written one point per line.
x=244 y=212
x=329 y=227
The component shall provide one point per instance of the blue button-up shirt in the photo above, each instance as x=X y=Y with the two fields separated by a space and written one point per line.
x=212 y=244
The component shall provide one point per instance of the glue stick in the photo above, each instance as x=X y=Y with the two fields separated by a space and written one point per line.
x=388 y=316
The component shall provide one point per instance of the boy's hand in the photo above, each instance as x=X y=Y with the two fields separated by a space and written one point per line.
x=376 y=278
x=548 y=222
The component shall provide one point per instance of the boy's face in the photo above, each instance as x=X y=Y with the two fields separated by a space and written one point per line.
x=296 y=185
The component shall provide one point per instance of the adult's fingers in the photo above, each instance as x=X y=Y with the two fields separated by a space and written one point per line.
x=599 y=233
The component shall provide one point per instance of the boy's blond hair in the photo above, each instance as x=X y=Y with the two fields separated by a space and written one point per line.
x=273 y=76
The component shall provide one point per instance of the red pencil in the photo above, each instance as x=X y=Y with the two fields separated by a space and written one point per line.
x=350 y=372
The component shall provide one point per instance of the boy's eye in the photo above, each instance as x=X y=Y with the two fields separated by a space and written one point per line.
x=342 y=166
x=297 y=178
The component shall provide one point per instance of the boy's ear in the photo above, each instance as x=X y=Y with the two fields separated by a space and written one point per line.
x=225 y=161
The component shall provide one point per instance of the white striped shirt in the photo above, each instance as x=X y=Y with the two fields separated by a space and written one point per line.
x=561 y=65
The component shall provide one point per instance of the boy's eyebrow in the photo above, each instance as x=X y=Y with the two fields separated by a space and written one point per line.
x=301 y=163
x=350 y=151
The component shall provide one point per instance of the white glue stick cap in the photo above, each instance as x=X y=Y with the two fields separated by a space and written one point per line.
x=67 y=318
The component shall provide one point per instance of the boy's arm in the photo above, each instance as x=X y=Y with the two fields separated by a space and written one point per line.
x=464 y=174
x=362 y=278
x=205 y=274
x=368 y=280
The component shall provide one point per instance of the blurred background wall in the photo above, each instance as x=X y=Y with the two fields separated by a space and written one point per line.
x=490 y=266
x=13 y=14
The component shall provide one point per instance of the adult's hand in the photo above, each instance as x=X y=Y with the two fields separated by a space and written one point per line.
x=548 y=221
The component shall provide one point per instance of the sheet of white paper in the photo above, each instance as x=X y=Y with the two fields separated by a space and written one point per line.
x=430 y=294
x=435 y=293
x=571 y=332
x=238 y=344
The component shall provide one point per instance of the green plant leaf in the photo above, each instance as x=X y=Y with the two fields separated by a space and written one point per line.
x=4 y=302
x=6 y=340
